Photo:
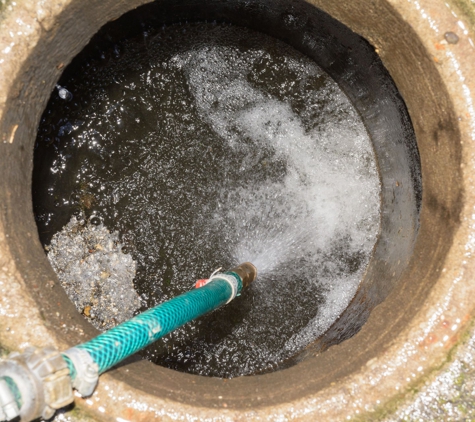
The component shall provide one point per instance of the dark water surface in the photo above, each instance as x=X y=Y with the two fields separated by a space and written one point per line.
x=205 y=145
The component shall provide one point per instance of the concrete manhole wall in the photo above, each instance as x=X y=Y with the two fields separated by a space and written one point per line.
x=405 y=338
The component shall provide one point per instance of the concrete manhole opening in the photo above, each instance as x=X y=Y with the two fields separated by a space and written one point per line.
x=191 y=136
x=203 y=144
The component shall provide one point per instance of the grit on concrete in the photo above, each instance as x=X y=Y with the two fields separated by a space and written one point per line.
x=96 y=274
x=449 y=396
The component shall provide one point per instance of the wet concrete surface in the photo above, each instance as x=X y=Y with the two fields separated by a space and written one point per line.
x=375 y=387
x=447 y=395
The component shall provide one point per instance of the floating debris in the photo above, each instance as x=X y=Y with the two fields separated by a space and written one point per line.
x=64 y=94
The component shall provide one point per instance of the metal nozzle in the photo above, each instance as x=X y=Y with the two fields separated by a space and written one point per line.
x=247 y=272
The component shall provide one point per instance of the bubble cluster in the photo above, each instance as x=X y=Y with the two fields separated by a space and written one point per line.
x=96 y=274
x=206 y=145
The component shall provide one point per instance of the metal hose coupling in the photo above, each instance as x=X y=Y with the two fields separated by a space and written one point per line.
x=246 y=272
x=34 y=384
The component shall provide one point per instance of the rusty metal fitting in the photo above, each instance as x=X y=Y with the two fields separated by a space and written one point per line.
x=247 y=272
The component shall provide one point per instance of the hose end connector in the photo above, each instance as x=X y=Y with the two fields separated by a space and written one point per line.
x=247 y=272
x=34 y=384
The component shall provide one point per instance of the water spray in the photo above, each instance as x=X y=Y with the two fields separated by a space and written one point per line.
x=39 y=381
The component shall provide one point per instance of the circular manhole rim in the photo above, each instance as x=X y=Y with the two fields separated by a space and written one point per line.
x=382 y=368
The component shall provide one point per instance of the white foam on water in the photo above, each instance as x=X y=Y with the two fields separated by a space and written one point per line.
x=96 y=275
x=330 y=192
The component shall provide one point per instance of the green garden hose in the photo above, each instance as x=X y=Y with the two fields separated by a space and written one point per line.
x=39 y=381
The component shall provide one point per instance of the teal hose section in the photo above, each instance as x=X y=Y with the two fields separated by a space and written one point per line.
x=118 y=343
x=14 y=390
x=71 y=367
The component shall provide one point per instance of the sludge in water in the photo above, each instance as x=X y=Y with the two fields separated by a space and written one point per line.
x=209 y=148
